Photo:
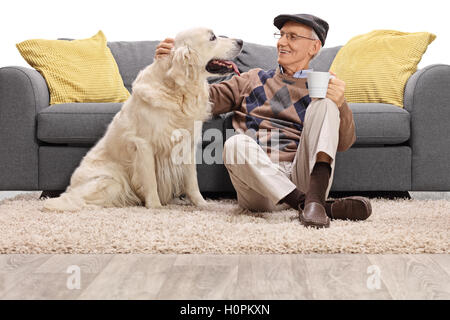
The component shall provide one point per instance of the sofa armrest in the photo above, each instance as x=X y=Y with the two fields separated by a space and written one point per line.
x=427 y=99
x=23 y=93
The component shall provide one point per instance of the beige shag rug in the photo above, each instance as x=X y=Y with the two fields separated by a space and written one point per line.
x=396 y=226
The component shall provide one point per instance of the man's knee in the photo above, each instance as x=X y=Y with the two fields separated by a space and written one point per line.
x=233 y=147
x=232 y=143
x=325 y=103
x=323 y=106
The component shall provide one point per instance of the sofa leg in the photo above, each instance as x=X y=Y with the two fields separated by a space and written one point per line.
x=51 y=194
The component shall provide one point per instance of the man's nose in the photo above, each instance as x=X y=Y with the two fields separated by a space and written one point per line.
x=283 y=41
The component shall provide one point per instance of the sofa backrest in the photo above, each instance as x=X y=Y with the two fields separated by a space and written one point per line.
x=133 y=56
x=325 y=58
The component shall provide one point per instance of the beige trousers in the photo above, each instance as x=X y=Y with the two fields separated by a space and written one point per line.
x=261 y=183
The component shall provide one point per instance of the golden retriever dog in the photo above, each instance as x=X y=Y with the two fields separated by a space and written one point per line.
x=133 y=164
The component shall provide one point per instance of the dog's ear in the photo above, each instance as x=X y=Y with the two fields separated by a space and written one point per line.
x=184 y=65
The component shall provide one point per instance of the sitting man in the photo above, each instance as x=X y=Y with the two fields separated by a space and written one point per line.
x=290 y=156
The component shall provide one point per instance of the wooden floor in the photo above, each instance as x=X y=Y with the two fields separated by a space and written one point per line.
x=338 y=276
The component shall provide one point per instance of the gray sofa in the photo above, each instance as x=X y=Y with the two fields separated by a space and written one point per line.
x=396 y=149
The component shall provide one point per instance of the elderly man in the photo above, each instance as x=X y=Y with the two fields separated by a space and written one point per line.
x=286 y=145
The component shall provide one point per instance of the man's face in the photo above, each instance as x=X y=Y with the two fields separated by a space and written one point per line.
x=294 y=55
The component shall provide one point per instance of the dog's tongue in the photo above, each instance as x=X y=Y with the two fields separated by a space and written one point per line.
x=228 y=64
x=235 y=68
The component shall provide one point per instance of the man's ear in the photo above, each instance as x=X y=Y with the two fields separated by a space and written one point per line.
x=184 y=65
x=314 y=50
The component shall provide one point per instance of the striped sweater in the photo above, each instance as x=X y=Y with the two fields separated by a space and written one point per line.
x=271 y=106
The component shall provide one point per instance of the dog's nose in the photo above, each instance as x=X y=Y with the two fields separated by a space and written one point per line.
x=239 y=42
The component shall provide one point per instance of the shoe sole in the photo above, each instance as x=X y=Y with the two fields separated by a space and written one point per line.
x=365 y=212
x=361 y=205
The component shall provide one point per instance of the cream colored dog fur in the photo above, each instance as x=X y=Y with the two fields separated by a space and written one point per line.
x=132 y=163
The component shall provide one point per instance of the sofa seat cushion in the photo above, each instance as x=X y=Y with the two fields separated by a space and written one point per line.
x=75 y=123
x=85 y=123
x=380 y=124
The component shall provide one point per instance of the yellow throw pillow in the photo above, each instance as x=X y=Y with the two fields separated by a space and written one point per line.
x=81 y=70
x=376 y=66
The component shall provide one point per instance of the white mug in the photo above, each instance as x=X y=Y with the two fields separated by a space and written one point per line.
x=318 y=84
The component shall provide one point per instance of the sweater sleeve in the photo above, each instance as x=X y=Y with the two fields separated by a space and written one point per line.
x=347 y=136
x=228 y=95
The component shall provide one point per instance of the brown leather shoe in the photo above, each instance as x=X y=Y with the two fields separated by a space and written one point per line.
x=351 y=208
x=314 y=215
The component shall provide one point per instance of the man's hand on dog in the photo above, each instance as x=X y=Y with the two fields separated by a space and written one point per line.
x=164 y=48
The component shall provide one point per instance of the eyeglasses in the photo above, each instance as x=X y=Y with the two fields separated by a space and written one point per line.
x=289 y=36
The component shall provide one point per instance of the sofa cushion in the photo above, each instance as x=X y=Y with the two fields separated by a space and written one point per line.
x=76 y=71
x=132 y=57
x=75 y=123
x=378 y=124
x=256 y=56
x=85 y=123
x=377 y=65
x=323 y=61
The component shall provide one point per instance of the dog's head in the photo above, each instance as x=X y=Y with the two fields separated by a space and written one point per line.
x=199 y=53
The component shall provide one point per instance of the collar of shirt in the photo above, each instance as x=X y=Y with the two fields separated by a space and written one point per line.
x=299 y=74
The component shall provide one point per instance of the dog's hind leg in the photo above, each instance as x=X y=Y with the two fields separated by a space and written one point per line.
x=98 y=192
x=109 y=192
x=144 y=175
x=73 y=199
x=65 y=202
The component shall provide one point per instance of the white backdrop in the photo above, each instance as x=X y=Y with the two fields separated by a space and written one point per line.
x=249 y=20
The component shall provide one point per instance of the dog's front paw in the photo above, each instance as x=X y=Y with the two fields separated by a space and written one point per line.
x=196 y=199
x=200 y=202
x=152 y=201
x=153 y=204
